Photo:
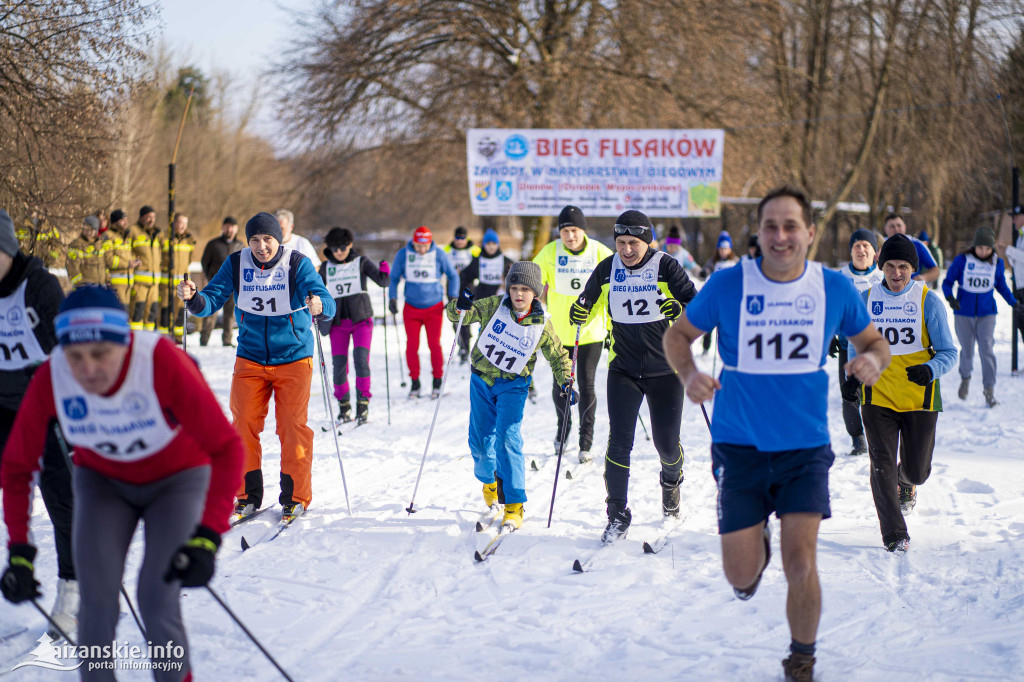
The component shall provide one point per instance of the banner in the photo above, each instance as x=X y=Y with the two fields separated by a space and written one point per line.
x=664 y=173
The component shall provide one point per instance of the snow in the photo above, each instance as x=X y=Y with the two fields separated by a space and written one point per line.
x=384 y=595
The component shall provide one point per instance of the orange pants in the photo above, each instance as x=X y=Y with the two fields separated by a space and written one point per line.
x=251 y=388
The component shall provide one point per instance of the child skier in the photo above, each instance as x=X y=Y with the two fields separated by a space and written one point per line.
x=511 y=330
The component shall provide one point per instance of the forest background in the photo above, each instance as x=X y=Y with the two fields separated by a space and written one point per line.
x=916 y=105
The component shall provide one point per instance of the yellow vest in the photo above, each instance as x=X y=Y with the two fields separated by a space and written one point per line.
x=558 y=304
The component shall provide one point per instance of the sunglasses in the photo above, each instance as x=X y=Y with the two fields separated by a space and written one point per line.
x=635 y=230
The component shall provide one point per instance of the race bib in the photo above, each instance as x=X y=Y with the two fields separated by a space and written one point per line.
x=865 y=281
x=633 y=295
x=421 y=268
x=264 y=292
x=19 y=347
x=492 y=270
x=900 y=319
x=344 y=279
x=724 y=265
x=507 y=344
x=979 y=275
x=572 y=271
x=461 y=258
x=127 y=426
x=782 y=324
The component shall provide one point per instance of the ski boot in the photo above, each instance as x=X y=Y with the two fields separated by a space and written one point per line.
x=798 y=668
x=435 y=392
x=670 y=495
x=908 y=497
x=860 y=446
x=344 y=410
x=414 y=388
x=990 y=397
x=619 y=518
x=898 y=546
x=965 y=384
x=491 y=494
x=243 y=508
x=584 y=456
x=362 y=409
x=748 y=592
x=513 y=515
x=65 y=609
x=292 y=511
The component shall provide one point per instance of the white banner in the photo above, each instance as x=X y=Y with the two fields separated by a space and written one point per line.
x=664 y=173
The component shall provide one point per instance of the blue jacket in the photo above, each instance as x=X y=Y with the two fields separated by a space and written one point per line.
x=424 y=295
x=976 y=305
x=269 y=340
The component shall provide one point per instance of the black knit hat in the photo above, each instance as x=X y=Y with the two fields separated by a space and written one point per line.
x=116 y=215
x=461 y=232
x=899 y=247
x=635 y=224
x=146 y=209
x=263 y=223
x=863 y=235
x=571 y=217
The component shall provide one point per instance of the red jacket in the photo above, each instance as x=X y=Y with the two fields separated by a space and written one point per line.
x=205 y=437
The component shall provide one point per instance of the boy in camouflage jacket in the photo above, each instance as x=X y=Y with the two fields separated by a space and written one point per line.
x=512 y=329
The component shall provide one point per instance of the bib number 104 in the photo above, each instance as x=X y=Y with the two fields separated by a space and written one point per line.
x=793 y=348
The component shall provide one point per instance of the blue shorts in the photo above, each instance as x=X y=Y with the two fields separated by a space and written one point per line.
x=752 y=484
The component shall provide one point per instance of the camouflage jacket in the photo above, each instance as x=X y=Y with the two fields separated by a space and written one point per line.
x=484 y=309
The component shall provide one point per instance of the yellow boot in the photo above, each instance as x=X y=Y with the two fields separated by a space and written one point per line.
x=513 y=515
x=491 y=494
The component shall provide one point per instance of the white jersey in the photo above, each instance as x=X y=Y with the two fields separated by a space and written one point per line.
x=979 y=275
x=460 y=257
x=573 y=270
x=125 y=427
x=507 y=344
x=725 y=265
x=492 y=270
x=303 y=246
x=264 y=292
x=421 y=268
x=782 y=324
x=19 y=347
x=862 y=281
x=633 y=295
x=345 y=279
x=900 y=319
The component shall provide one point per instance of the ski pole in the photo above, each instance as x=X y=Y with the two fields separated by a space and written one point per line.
x=66 y=452
x=255 y=641
x=398 y=340
x=640 y=417
x=334 y=430
x=184 y=320
x=706 y=420
x=387 y=370
x=565 y=422
x=53 y=623
x=437 y=408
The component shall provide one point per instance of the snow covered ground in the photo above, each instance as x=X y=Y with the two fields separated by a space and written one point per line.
x=382 y=595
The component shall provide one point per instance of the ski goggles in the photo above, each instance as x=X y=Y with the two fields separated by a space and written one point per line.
x=634 y=230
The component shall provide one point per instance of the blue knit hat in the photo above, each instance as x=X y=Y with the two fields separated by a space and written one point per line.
x=862 y=235
x=263 y=223
x=91 y=314
x=724 y=240
x=491 y=236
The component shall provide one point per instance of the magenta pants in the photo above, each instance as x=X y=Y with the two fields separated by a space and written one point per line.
x=360 y=333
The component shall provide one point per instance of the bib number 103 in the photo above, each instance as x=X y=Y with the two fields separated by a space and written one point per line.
x=792 y=348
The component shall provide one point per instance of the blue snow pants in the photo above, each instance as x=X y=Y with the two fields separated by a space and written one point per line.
x=495 y=415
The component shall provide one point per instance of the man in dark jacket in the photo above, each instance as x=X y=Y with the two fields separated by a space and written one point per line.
x=29 y=300
x=216 y=252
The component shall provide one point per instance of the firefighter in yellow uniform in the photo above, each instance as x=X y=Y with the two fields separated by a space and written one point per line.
x=39 y=238
x=87 y=255
x=182 y=245
x=120 y=259
x=147 y=246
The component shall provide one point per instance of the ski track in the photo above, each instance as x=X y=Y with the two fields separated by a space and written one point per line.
x=385 y=595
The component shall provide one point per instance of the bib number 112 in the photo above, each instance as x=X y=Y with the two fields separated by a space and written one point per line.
x=778 y=346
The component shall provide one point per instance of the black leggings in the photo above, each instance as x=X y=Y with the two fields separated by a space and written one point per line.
x=55 y=486
x=586 y=367
x=665 y=405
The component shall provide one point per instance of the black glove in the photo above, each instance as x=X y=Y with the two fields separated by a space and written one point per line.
x=193 y=563
x=19 y=581
x=568 y=391
x=578 y=314
x=851 y=390
x=834 y=347
x=671 y=309
x=465 y=301
x=920 y=374
x=953 y=303
x=608 y=340
x=393 y=306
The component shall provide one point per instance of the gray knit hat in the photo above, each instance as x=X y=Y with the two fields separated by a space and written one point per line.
x=8 y=239
x=527 y=274
x=984 y=236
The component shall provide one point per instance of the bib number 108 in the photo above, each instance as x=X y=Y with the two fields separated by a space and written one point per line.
x=792 y=348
